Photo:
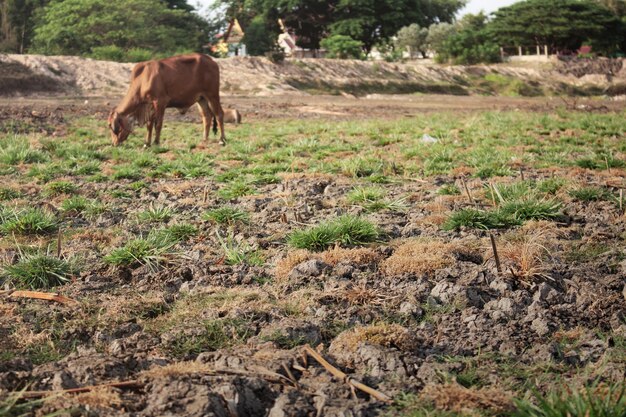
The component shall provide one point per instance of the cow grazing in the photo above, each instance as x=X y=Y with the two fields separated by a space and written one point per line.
x=179 y=82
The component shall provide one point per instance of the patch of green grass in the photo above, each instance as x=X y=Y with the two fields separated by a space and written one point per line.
x=16 y=150
x=86 y=168
x=600 y=161
x=137 y=185
x=345 y=230
x=60 y=187
x=236 y=253
x=235 y=190
x=38 y=271
x=126 y=172
x=76 y=203
x=513 y=191
x=593 y=401
x=591 y=193
x=155 y=214
x=226 y=215
x=365 y=195
x=449 y=189
x=178 y=232
x=154 y=251
x=586 y=252
x=122 y=194
x=510 y=213
x=361 y=167
x=530 y=209
x=284 y=340
x=7 y=193
x=550 y=185
x=28 y=221
x=214 y=335
x=477 y=219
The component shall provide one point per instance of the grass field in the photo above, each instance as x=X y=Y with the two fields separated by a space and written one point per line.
x=369 y=238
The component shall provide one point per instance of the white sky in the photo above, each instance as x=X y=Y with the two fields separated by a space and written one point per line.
x=473 y=6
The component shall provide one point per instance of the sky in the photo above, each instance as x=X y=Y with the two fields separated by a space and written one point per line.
x=473 y=6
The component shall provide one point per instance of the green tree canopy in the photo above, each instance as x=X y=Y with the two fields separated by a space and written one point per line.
x=471 y=44
x=79 y=26
x=438 y=33
x=368 y=21
x=342 y=47
x=372 y=21
x=563 y=25
x=412 y=37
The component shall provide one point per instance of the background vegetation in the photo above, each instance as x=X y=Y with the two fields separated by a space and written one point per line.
x=135 y=30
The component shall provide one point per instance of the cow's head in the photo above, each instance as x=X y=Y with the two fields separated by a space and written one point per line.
x=119 y=126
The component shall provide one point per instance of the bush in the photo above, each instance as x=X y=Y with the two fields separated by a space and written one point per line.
x=107 y=53
x=342 y=47
x=138 y=55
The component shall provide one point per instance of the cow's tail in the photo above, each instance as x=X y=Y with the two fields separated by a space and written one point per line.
x=215 y=125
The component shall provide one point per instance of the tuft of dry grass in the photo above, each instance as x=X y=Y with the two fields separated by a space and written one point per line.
x=285 y=265
x=362 y=294
x=105 y=397
x=381 y=334
x=178 y=369
x=457 y=398
x=419 y=256
x=525 y=251
x=359 y=256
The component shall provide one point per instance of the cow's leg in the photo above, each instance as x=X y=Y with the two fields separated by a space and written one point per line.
x=159 y=115
x=216 y=108
x=149 y=125
x=207 y=117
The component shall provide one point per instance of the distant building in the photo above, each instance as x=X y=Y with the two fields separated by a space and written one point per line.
x=230 y=42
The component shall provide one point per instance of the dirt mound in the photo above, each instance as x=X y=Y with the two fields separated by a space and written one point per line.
x=20 y=79
x=62 y=75
x=579 y=67
x=68 y=75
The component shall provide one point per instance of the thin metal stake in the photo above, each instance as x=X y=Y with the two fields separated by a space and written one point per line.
x=59 y=244
x=495 y=252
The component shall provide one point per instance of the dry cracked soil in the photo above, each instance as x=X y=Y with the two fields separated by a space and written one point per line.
x=216 y=324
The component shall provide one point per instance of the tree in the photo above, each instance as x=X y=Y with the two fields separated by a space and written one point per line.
x=342 y=47
x=372 y=21
x=259 y=36
x=438 y=33
x=309 y=19
x=369 y=21
x=618 y=7
x=412 y=37
x=471 y=44
x=563 y=25
x=17 y=21
x=78 y=26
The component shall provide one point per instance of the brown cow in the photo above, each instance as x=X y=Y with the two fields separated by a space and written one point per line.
x=180 y=82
